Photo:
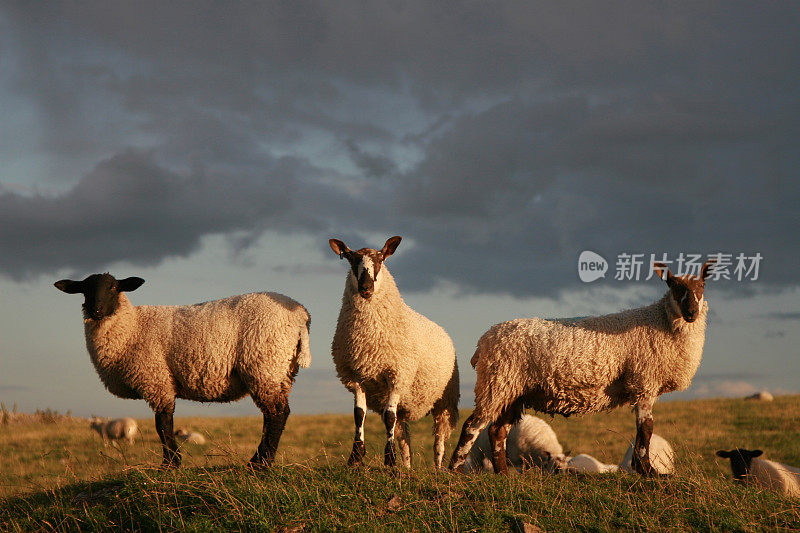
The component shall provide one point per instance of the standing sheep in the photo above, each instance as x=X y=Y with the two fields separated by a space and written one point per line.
x=394 y=360
x=115 y=430
x=531 y=442
x=750 y=470
x=587 y=365
x=215 y=351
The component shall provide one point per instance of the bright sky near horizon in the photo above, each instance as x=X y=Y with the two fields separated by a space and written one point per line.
x=214 y=149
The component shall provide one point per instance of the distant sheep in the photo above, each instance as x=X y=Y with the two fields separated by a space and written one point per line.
x=662 y=458
x=586 y=464
x=115 y=430
x=210 y=352
x=189 y=437
x=394 y=360
x=587 y=365
x=750 y=470
x=531 y=442
x=763 y=396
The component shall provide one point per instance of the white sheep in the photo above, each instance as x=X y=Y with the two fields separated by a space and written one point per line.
x=750 y=470
x=586 y=464
x=215 y=351
x=115 y=430
x=662 y=457
x=394 y=360
x=587 y=365
x=190 y=437
x=764 y=396
x=531 y=442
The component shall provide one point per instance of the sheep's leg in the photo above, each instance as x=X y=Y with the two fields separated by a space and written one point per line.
x=275 y=411
x=359 y=412
x=389 y=420
x=403 y=433
x=498 y=433
x=172 y=459
x=469 y=434
x=445 y=417
x=644 y=430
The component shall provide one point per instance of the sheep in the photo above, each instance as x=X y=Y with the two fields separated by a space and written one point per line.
x=394 y=360
x=588 y=365
x=190 y=437
x=661 y=456
x=115 y=430
x=764 y=396
x=586 y=464
x=750 y=470
x=531 y=441
x=216 y=351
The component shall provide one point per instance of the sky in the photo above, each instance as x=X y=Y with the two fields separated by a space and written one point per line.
x=214 y=148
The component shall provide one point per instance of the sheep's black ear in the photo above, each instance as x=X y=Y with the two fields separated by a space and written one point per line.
x=69 y=286
x=391 y=245
x=723 y=453
x=129 y=284
x=755 y=453
x=660 y=268
x=338 y=247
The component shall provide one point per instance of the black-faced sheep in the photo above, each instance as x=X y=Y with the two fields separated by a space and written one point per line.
x=747 y=468
x=215 y=351
x=394 y=360
x=587 y=365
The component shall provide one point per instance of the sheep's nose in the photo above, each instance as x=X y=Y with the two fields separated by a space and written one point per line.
x=365 y=293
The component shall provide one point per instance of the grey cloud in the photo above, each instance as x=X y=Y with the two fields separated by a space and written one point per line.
x=505 y=138
x=131 y=208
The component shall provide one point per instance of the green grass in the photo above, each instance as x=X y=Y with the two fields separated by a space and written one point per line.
x=59 y=476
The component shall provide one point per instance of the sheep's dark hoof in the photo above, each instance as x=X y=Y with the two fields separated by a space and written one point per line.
x=171 y=463
x=358 y=453
x=389 y=457
x=260 y=462
x=644 y=468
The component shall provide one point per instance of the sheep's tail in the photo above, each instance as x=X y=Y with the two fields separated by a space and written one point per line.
x=304 y=346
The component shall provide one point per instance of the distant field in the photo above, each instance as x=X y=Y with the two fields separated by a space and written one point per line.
x=59 y=476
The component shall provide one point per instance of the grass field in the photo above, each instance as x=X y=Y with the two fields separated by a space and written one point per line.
x=59 y=476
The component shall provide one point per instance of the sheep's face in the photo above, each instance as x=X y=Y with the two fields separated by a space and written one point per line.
x=741 y=459
x=365 y=264
x=686 y=291
x=101 y=293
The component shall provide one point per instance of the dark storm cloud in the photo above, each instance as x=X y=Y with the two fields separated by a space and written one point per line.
x=500 y=139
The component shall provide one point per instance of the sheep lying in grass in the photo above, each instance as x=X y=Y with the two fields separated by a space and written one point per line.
x=394 y=360
x=115 y=430
x=588 y=365
x=586 y=464
x=750 y=470
x=189 y=437
x=210 y=352
x=531 y=442
x=662 y=458
x=764 y=396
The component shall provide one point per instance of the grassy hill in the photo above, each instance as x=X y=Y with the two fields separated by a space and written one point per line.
x=59 y=476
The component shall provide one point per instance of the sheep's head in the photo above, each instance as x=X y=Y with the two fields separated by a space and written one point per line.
x=365 y=264
x=686 y=290
x=741 y=459
x=100 y=291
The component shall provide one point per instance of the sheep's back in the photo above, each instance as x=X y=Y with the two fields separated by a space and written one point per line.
x=774 y=476
x=213 y=343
